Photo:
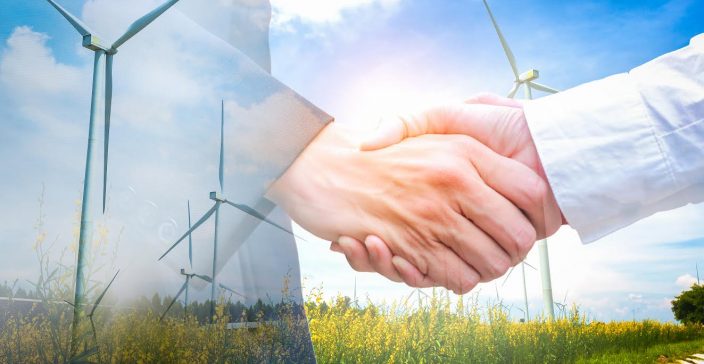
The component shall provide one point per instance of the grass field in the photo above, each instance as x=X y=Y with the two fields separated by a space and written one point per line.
x=659 y=353
x=437 y=331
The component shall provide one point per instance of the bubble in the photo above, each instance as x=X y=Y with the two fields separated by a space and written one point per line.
x=168 y=231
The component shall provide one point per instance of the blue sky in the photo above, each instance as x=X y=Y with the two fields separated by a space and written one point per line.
x=359 y=60
x=370 y=58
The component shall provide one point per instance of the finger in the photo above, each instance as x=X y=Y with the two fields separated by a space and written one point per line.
x=356 y=254
x=380 y=258
x=524 y=188
x=493 y=99
x=478 y=249
x=450 y=271
x=335 y=246
x=410 y=274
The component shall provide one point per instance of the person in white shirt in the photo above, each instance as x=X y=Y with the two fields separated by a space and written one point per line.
x=614 y=151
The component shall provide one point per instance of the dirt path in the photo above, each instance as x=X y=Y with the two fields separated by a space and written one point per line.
x=694 y=359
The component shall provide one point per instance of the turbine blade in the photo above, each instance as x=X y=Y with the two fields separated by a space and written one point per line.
x=102 y=294
x=513 y=90
x=183 y=288
x=190 y=239
x=252 y=212
x=231 y=290
x=530 y=266
x=695 y=264
x=77 y=23
x=221 y=170
x=508 y=275
x=543 y=88
x=108 y=110
x=142 y=22
x=504 y=44
x=197 y=224
x=204 y=277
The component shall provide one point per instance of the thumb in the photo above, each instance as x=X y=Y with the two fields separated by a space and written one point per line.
x=389 y=132
x=482 y=122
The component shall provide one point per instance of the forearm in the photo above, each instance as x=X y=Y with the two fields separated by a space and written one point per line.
x=620 y=149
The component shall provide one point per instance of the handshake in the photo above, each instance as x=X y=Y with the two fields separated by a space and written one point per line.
x=453 y=196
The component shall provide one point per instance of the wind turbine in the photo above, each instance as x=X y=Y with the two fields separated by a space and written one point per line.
x=527 y=80
x=219 y=199
x=102 y=51
x=526 y=312
x=562 y=306
x=418 y=292
x=184 y=287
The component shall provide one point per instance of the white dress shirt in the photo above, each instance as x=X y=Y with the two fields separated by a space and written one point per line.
x=625 y=147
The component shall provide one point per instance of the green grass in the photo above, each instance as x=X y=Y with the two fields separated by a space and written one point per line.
x=662 y=353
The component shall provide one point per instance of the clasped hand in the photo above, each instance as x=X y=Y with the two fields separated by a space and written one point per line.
x=449 y=197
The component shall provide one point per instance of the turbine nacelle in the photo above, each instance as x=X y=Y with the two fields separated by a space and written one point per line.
x=94 y=43
x=218 y=197
x=530 y=75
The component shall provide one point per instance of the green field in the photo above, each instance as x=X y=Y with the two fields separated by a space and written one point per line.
x=437 y=331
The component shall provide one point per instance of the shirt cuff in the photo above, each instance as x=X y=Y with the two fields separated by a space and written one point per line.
x=601 y=156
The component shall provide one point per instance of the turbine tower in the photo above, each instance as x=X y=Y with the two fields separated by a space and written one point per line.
x=527 y=80
x=219 y=199
x=526 y=311
x=102 y=71
x=190 y=257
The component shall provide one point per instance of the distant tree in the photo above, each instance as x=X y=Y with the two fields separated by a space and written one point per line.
x=688 y=307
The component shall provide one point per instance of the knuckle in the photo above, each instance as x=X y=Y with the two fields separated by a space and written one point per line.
x=500 y=266
x=536 y=191
x=467 y=283
x=524 y=238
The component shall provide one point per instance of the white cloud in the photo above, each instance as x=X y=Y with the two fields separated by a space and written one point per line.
x=29 y=65
x=685 y=281
x=321 y=12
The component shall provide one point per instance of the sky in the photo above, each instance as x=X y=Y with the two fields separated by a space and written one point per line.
x=362 y=59
x=357 y=61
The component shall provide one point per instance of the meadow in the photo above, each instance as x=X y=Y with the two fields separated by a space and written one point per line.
x=432 y=331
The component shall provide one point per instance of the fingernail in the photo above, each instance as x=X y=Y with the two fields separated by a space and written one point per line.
x=370 y=248
x=346 y=240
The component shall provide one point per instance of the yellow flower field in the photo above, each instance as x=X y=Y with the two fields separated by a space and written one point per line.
x=436 y=331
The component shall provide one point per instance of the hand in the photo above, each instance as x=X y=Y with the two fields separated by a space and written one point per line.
x=437 y=201
x=498 y=123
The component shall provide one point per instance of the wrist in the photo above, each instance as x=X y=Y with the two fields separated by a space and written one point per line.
x=313 y=186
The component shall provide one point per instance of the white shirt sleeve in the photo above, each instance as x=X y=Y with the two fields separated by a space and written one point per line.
x=623 y=148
